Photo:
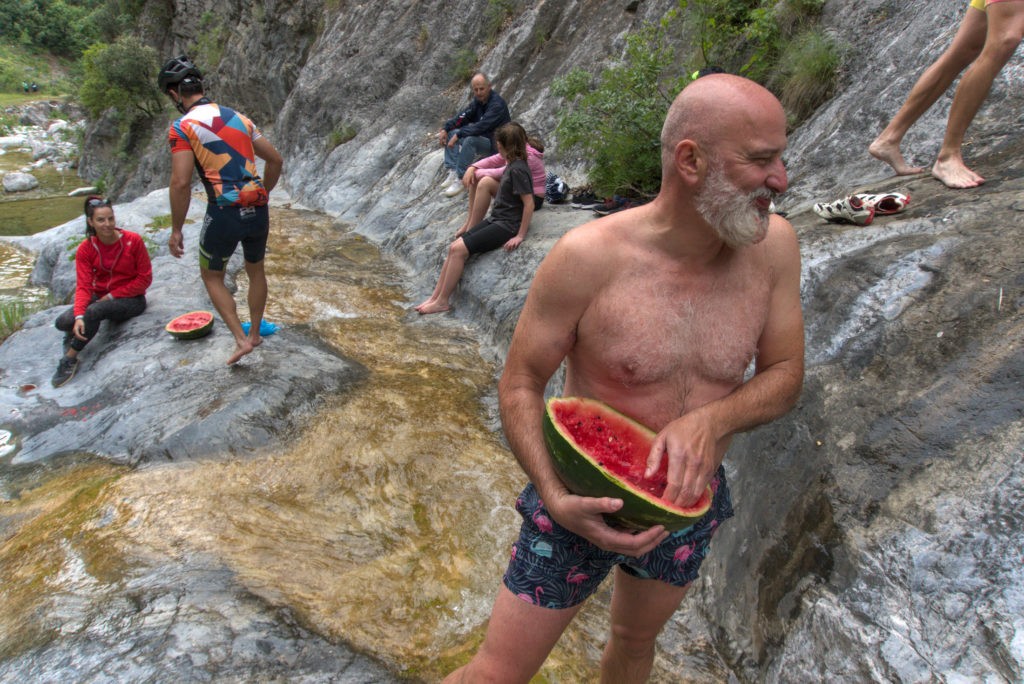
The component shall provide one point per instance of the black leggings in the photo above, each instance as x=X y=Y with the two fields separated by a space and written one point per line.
x=115 y=310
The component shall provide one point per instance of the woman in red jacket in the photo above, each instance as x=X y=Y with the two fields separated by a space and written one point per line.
x=113 y=272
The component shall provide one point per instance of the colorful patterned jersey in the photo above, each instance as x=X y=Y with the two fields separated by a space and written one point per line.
x=221 y=140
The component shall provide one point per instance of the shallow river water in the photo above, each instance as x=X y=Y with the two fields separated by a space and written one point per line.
x=384 y=524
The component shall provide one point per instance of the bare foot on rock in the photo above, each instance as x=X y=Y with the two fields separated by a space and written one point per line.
x=433 y=307
x=241 y=349
x=954 y=174
x=891 y=155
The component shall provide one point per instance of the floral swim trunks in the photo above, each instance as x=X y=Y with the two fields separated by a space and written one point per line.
x=556 y=568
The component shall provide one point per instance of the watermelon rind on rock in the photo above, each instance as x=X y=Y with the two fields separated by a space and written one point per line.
x=191 y=325
x=585 y=436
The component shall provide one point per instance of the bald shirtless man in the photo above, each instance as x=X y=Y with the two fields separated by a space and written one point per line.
x=658 y=311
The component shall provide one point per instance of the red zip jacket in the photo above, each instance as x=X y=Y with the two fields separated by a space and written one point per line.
x=120 y=270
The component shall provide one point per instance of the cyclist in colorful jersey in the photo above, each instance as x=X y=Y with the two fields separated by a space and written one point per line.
x=222 y=145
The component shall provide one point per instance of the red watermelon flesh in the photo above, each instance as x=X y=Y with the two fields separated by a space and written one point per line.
x=619 y=448
x=191 y=326
x=598 y=451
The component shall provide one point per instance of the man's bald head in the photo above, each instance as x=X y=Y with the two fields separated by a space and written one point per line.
x=480 y=86
x=710 y=110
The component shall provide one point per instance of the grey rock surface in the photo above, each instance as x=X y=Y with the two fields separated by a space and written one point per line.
x=183 y=622
x=16 y=181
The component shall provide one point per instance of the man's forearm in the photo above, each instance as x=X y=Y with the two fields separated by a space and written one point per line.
x=180 y=197
x=271 y=174
x=522 y=412
x=767 y=396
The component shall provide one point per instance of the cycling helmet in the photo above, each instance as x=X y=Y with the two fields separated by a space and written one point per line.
x=179 y=71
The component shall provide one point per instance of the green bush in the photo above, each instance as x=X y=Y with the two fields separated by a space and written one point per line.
x=463 y=65
x=495 y=14
x=211 y=41
x=120 y=75
x=615 y=119
x=341 y=135
x=807 y=74
x=62 y=27
x=12 y=314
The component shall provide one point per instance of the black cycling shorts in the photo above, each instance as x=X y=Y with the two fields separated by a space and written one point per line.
x=225 y=227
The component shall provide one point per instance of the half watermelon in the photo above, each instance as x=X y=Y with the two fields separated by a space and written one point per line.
x=191 y=326
x=597 y=452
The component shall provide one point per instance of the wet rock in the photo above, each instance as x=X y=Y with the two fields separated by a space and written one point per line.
x=16 y=181
x=189 y=619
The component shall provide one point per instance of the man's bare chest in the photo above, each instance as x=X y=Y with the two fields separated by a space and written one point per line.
x=649 y=329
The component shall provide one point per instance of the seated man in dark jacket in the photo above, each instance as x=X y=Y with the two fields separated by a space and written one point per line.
x=469 y=135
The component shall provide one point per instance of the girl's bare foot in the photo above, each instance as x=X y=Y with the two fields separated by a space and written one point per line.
x=891 y=155
x=954 y=174
x=424 y=303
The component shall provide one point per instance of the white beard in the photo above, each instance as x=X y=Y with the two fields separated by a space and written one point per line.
x=734 y=216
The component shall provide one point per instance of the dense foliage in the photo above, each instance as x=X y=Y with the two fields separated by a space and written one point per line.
x=41 y=40
x=617 y=123
x=61 y=27
x=120 y=75
x=614 y=118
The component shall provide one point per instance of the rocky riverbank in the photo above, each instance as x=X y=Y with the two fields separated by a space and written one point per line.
x=879 y=533
x=49 y=131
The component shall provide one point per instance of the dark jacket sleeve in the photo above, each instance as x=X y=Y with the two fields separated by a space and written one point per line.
x=460 y=118
x=494 y=114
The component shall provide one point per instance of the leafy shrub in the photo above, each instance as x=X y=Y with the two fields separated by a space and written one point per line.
x=463 y=65
x=120 y=75
x=615 y=119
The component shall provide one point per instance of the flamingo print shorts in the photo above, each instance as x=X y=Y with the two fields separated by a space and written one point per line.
x=555 y=568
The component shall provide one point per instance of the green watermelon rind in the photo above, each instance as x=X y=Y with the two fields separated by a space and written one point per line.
x=193 y=334
x=583 y=476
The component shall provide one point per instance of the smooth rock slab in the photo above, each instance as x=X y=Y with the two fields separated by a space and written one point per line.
x=16 y=181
